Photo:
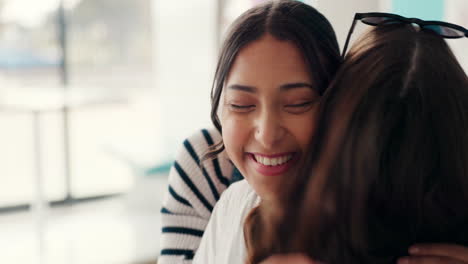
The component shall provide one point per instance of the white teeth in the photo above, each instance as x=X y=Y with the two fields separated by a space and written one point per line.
x=259 y=158
x=273 y=161
x=283 y=160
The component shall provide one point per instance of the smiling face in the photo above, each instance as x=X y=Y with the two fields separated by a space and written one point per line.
x=267 y=113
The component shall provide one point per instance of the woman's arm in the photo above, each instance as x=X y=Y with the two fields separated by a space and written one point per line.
x=419 y=254
x=436 y=254
x=192 y=193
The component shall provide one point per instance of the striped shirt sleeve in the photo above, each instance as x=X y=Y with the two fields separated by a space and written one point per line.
x=191 y=196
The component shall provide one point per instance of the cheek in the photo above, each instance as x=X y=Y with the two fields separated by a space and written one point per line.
x=235 y=136
x=303 y=129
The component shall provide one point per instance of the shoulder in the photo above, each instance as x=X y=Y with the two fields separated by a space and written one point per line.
x=223 y=241
x=198 y=144
x=240 y=189
x=197 y=186
x=206 y=136
x=239 y=195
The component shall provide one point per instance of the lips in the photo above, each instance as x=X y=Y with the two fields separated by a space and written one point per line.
x=271 y=165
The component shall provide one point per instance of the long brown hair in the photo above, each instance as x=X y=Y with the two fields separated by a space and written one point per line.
x=388 y=166
x=286 y=20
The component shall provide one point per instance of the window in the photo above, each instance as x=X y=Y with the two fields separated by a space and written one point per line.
x=104 y=59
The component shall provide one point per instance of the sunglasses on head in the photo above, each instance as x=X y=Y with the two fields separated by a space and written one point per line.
x=443 y=29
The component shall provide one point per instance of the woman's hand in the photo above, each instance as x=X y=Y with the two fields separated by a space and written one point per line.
x=289 y=259
x=436 y=254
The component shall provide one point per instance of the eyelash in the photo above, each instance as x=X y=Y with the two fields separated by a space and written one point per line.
x=241 y=107
x=246 y=108
x=300 y=105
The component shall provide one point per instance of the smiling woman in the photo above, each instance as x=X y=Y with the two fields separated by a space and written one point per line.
x=267 y=112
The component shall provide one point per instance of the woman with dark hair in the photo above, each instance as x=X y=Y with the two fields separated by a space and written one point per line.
x=388 y=166
x=275 y=63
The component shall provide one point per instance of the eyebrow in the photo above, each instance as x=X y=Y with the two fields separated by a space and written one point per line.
x=290 y=86
x=284 y=87
x=245 y=88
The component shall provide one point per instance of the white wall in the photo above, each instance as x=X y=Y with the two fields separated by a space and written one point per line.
x=456 y=12
x=340 y=13
x=185 y=54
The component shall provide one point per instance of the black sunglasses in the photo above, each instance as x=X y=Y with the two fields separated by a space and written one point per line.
x=443 y=29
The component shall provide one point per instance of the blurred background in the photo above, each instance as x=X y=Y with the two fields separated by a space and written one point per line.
x=95 y=98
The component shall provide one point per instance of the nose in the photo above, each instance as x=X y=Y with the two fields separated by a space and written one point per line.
x=269 y=130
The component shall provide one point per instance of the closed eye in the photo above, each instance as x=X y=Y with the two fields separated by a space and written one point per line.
x=241 y=108
x=304 y=104
x=300 y=107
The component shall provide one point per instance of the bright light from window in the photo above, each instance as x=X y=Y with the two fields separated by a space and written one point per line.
x=31 y=13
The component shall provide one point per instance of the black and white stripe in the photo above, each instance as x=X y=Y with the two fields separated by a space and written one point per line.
x=193 y=191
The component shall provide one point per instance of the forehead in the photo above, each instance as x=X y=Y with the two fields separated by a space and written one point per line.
x=269 y=61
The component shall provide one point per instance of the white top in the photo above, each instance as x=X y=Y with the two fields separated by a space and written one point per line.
x=223 y=240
